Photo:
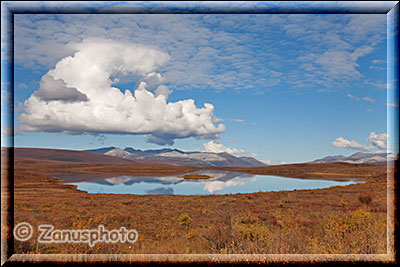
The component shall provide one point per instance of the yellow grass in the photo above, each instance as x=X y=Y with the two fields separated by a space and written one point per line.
x=349 y=219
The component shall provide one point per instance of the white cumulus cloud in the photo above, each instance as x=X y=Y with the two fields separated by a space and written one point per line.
x=344 y=143
x=77 y=97
x=267 y=161
x=378 y=140
x=215 y=147
x=51 y=89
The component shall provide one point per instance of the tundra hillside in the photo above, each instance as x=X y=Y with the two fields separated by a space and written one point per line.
x=339 y=220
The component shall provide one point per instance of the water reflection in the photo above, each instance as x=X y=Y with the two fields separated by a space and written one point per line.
x=222 y=182
x=161 y=191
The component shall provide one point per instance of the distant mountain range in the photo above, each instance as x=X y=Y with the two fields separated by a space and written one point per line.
x=113 y=155
x=360 y=157
x=67 y=155
x=179 y=157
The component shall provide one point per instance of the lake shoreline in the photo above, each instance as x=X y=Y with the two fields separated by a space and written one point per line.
x=218 y=183
x=286 y=216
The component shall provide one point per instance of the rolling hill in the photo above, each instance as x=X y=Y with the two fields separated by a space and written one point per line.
x=69 y=156
x=179 y=157
x=360 y=157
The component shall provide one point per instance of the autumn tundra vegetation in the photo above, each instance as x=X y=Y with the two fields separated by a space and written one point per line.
x=338 y=220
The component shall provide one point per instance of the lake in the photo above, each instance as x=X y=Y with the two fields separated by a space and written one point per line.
x=222 y=182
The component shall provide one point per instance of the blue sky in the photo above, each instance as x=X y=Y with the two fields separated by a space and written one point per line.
x=285 y=87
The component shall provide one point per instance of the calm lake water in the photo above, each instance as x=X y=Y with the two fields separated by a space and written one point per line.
x=222 y=182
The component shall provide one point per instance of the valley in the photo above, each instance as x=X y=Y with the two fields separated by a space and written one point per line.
x=291 y=222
